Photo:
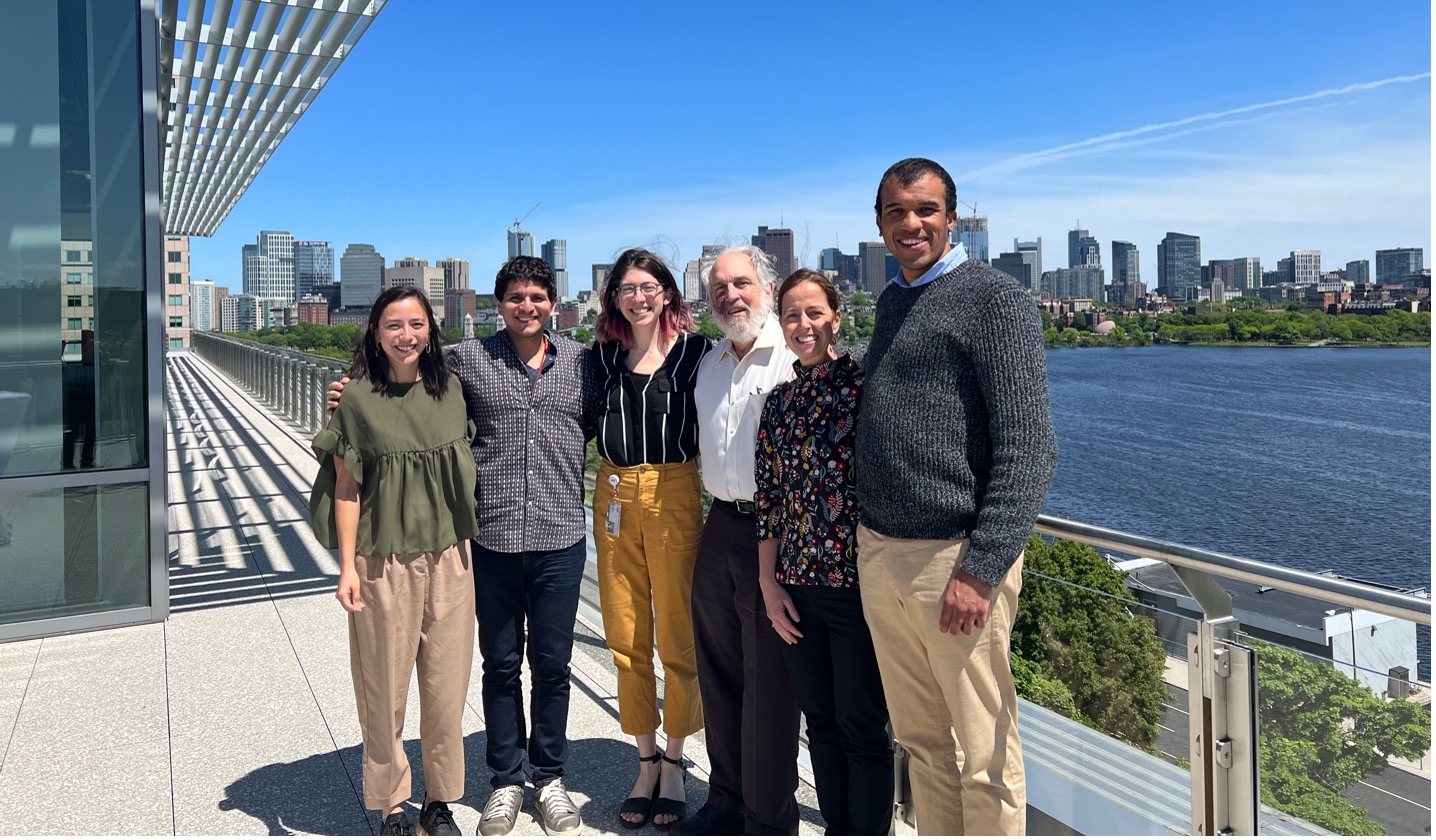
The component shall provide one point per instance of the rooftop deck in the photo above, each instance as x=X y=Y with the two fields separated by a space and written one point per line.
x=236 y=716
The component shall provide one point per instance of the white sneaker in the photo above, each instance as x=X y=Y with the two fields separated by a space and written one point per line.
x=556 y=811
x=502 y=810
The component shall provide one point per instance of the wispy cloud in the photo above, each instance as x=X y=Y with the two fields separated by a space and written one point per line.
x=1114 y=140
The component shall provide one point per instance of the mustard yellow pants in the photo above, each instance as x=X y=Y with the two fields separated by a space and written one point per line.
x=645 y=584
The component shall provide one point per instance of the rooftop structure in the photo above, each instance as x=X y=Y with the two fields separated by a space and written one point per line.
x=232 y=88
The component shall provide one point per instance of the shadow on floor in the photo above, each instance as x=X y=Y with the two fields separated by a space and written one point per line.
x=321 y=794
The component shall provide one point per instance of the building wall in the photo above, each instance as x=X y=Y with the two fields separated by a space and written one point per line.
x=1396 y=264
x=412 y=271
x=1179 y=266
x=313 y=266
x=203 y=307
x=1305 y=267
x=361 y=275
x=83 y=302
x=555 y=253
x=873 y=257
x=177 y=292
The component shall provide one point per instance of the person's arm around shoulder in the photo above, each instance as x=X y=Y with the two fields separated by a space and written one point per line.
x=1011 y=367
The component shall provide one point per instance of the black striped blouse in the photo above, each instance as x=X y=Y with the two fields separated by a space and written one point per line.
x=650 y=418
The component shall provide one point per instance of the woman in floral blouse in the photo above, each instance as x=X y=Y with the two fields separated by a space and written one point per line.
x=807 y=523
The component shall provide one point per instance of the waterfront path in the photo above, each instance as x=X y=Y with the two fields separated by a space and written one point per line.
x=236 y=716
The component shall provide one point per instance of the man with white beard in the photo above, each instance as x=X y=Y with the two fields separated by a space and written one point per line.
x=749 y=713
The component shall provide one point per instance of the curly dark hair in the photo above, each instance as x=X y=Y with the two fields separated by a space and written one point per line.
x=370 y=361
x=527 y=268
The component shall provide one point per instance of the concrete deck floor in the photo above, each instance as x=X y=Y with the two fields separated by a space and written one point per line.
x=236 y=716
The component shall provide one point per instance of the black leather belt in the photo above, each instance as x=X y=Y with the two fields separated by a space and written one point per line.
x=741 y=506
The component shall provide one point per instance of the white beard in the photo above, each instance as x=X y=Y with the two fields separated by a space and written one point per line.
x=745 y=328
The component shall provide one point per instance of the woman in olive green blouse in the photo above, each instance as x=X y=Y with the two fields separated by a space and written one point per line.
x=395 y=495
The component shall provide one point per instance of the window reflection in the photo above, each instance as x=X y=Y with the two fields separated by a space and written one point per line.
x=72 y=314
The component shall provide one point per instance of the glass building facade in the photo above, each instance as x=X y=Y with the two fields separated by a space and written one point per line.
x=82 y=330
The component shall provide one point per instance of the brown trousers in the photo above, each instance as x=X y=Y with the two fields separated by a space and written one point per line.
x=645 y=584
x=951 y=698
x=418 y=609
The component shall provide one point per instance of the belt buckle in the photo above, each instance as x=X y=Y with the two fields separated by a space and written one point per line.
x=745 y=506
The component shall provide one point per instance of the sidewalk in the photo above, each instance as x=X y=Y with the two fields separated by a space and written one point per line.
x=236 y=716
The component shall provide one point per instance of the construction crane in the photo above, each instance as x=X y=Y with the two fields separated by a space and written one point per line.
x=518 y=223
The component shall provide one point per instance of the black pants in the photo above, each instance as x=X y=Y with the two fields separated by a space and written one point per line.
x=750 y=716
x=835 y=677
x=538 y=589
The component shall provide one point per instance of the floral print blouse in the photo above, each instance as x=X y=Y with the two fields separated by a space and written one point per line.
x=807 y=496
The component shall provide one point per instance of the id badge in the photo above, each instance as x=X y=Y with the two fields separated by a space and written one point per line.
x=615 y=510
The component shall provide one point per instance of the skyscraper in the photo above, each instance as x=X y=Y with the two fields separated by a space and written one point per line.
x=1015 y=266
x=1031 y=252
x=1074 y=245
x=873 y=258
x=778 y=244
x=1179 y=266
x=971 y=233
x=1305 y=267
x=269 y=266
x=693 y=281
x=555 y=253
x=203 y=311
x=1396 y=264
x=1359 y=272
x=600 y=276
x=361 y=275
x=1246 y=272
x=456 y=273
x=521 y=244
x=313 y=266
x=1126 y=262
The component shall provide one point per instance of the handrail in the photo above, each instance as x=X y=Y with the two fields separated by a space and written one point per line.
x=1344 y=593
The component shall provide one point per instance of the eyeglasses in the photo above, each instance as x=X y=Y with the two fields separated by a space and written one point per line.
x=646 y=289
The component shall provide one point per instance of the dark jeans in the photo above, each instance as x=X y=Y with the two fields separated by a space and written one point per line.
x=749 y=713
x=835 y=676
x=540 y=587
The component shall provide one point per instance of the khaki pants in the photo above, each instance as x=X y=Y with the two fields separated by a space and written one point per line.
x=951 y=698
x=645 y=584
x=418 y=609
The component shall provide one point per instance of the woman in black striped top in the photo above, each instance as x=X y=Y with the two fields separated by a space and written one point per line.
x=647 y=514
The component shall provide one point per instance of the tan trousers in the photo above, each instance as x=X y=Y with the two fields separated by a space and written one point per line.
x=645 y=584
x=418 y=609
x=951 y=698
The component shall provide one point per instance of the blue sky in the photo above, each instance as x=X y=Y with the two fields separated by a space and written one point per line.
x=1262 y=127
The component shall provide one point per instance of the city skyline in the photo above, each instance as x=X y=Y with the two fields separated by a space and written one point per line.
x=1311 y=156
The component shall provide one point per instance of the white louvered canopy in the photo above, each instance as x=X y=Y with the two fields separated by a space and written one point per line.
x=235 y=76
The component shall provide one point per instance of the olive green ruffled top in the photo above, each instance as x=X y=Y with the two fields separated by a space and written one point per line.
x=410 y=454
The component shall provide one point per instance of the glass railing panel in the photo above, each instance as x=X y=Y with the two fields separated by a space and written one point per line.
x=1345 y=746
x=1104 y=677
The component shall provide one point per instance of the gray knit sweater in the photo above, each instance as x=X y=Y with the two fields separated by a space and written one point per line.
x=955 y=431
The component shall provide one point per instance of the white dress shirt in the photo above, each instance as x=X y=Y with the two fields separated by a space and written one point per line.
x=956 y=255
x=730 y=393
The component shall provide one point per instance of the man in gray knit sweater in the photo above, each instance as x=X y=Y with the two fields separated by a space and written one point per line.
x=955 y=452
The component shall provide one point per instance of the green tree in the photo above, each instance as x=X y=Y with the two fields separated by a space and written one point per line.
x=860 y=299
x=583 y=335
x=1086 y=638
x=707 y=327
x=1321 y=732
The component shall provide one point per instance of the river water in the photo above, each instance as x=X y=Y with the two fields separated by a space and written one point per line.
x=1313 y=458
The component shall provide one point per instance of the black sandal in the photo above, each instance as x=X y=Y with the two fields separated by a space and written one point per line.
x=676 y=808
x=641 y=804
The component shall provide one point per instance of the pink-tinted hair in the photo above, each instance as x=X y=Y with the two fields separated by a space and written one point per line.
x=611 y=324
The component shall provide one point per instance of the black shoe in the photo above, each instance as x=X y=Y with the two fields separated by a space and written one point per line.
x=641 y=804
x=436 y=820
x=709 y=820
x=397 y=825
x=665 y=807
